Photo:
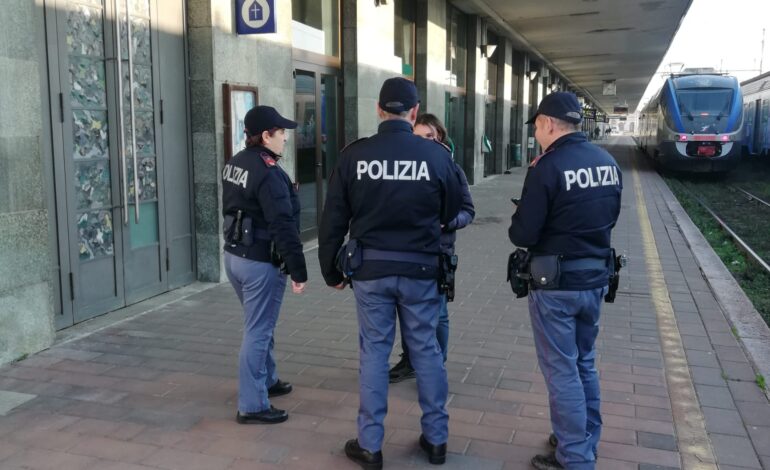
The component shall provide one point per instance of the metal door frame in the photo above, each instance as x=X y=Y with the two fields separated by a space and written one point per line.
x=318 y=70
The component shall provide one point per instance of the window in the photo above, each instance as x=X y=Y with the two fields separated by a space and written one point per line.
x=316 y=26
x=457 y=46
x=492 y=66
x=404 y=34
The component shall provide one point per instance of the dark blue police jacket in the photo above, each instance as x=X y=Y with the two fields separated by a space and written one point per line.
x=254 y=183
x=393 y=191
x=569 y=205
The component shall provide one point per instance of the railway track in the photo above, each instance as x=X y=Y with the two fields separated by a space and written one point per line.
x=751 y=197
x=742 y=244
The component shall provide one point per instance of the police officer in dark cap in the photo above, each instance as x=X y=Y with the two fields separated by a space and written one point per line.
x=393 y=192
x=262 y=244
x=569 y=205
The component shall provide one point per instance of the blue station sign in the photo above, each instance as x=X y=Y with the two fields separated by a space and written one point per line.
x=254 y=16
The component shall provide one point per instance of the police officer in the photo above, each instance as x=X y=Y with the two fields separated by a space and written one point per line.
x=261 y=228
x=393 y=191
x=428 y=126
x=569 y=205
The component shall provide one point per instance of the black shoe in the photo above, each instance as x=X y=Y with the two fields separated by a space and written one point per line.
x=367 y=460
x=554 y=442
x=546 y=462
x=401 y=371
x=436 y=453
x=268 y=416
x=279 y=388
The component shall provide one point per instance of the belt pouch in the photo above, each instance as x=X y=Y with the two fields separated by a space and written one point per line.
x=545 y=271
x=247 y=231
x=349 y=257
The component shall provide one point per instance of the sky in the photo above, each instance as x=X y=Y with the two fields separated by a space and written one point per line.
x=723 y=34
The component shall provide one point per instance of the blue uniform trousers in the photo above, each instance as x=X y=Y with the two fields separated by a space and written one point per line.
x=416 y=302
x=565 y=325
x=442 y=330
x=260 y=288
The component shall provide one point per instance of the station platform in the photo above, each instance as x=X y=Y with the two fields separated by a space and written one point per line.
x=157 y=389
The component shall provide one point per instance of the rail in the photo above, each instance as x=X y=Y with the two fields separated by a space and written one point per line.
x=738 y=240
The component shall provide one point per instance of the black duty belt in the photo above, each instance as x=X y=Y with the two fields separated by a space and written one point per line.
x=260 y=233
x=372 y=254
x=581 y=264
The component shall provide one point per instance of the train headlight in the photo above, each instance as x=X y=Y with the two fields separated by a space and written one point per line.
x=682 y=138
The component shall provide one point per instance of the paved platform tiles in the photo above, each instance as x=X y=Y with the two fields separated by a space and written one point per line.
x=159 y=391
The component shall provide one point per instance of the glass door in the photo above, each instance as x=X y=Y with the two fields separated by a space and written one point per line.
x=317 y=104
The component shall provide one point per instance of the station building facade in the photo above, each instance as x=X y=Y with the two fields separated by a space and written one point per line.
x=111 y=150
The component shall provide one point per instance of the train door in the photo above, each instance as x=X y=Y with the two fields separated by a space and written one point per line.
x=756 y=143
x=763 y=144
x=122 y=174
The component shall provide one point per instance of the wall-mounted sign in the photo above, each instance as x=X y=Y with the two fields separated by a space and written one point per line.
x=608 y=87
x=589 y=113
x=530 y=142
x=254 y=16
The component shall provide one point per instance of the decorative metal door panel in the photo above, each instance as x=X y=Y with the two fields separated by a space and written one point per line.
x=106 y=152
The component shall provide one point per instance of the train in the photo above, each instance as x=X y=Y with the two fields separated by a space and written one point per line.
x=694 y=123
x=756 y=115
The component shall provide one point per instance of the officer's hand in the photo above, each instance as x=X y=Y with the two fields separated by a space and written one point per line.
x=340 y=286
x=297 y=287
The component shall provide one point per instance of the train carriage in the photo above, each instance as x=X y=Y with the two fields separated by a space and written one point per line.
x=756 y=115
x=694 y=123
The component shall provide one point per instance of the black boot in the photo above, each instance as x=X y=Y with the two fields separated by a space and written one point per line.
x=367 y=460
x=268 y=416
x=436 y=453
x=546 y=462
x=279 y=388
x=401 y=371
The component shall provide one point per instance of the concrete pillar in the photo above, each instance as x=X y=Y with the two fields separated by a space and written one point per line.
x=430 y=72
x=26 y=271
x=368 y=60
x=503 y=105
x=521 y=102
x=350 y=69
x=473 y=159
x=217 y=56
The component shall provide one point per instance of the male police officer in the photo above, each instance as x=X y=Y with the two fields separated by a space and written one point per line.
x=569 y=204
x=394 y=191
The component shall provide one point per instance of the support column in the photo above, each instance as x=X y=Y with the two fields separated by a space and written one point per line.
x=473 y=159
x=350 y=69
x=502 y=143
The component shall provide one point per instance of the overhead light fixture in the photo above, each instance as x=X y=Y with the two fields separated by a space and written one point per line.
x=487 y=50
x=380 y=2
x=532 y=74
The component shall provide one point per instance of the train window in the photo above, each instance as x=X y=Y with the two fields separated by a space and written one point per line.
x=712 y=101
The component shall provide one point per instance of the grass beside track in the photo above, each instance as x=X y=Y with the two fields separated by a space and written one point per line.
x=748 y=219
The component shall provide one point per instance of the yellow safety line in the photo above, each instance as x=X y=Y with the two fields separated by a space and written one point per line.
x=694 y=445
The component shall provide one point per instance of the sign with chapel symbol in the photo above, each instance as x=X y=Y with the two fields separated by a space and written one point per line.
x=255 y=16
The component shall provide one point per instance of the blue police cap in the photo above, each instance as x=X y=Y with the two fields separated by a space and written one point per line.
x=263 y=118
x=398 y=95
x=560 y=105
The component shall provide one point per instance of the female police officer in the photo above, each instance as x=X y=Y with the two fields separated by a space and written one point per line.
x=261 y=228
x=429 y=126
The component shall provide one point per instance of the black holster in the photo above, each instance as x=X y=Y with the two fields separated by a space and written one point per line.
x=518 y=272
x=446 y=284
x=276 y=259
x=618 y=261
